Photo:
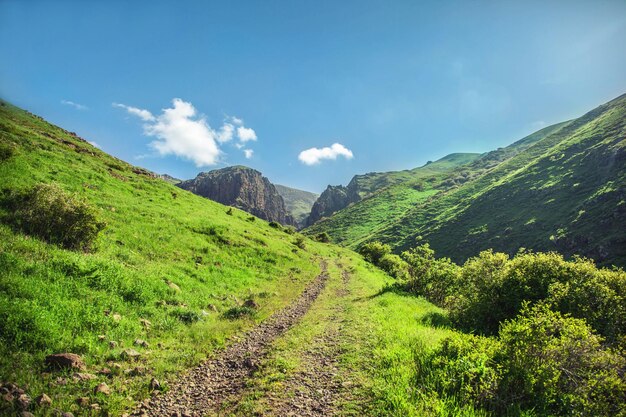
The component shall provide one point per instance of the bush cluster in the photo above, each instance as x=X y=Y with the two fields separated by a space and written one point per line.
x=48 y=212
x=542 y=361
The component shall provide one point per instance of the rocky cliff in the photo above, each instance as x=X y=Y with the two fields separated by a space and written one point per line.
x=244 y=188
x=334 y=198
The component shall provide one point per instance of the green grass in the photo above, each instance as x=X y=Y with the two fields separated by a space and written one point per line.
x=55 y=300
x=297 y=202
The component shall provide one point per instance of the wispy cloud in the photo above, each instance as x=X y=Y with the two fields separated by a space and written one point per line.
x=180 y=131
x=75 y=105
x=141 y=113
x=248 y=153
x=314 y=156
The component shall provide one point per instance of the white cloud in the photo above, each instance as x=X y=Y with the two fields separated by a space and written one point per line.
x=246 y=134
x=180 y=131
x=313 y=156
x=144 y=115
x=226 y=133
x=75 y=105
x=94 y=144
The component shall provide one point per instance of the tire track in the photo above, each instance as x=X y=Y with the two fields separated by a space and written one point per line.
x=223 y=379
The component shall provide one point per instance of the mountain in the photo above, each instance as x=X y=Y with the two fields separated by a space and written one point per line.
x=244 y=188
x=338 y=197
x=169 y=178
x=562 y=188
x=297 y=202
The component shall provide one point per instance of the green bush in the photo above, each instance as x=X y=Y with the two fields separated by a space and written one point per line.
x=48 y=212
x=234 y=313
x=275 y=225
x=436 y=279
x=394 y=266
x=300 y=242
x=374 y=251
x=556 y=364
x=6 y=151
x=323 y=237
x=543 y=362
x=494 y=288
x=290 y=230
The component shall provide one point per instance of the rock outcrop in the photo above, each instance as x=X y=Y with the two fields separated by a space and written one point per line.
x=244 y=188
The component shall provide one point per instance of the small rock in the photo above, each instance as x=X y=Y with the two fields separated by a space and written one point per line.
x=141 y=342
x=64 y=361
x=95 y=406
x=113 y=344
x=102 y=337
x=212 y=308
x=43 y=401
x=105 y=372
x=8 y=397
x=173 y=286
x=27 y=414
x=67 y=414
x=23 y=402
x=102 y=388
x=154 y=384
x=116 y=317
x=131 y=354
x=145 y=323
x=60 y=381
x=80 y=376
x=82 y=401
x=250 y=303
x=186 y=414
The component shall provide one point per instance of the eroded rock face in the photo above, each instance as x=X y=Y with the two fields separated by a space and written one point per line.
x=244 y=188
x=334 y=198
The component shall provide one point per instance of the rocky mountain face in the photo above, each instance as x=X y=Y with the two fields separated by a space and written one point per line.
x=244 y=188
x=333 y=199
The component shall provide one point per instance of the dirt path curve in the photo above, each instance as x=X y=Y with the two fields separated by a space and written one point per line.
x=205 y=388
x=318 y=388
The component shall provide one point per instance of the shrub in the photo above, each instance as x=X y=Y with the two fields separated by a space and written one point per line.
x=394 y=266
x=6 y=151
x=48 y=212
x=300 y=242
x=543 y=362
x=322 y=237
x=556 y=364
x=290 y=230
x=229 y=211
x=275 y=225
x=186 y=316
x=374 y=251
x=251 y=219
x=436 y=279
x=234 y=313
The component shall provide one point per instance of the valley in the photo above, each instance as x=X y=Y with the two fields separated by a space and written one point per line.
x=179 y=305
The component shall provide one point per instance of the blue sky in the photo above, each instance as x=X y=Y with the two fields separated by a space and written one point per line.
x=393 y=83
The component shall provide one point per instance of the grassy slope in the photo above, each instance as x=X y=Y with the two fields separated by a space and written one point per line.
x=394 y=194
x=297 y=202
x=567 y=192
x=54 y=300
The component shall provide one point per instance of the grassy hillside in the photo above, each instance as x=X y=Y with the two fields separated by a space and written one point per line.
x=561 y=188
x=369 y=183
x=297 y=202
x=361 y=221
x=565 y=192
x=166 y=256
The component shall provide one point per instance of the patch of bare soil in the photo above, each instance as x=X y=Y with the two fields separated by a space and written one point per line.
x=203 y=390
